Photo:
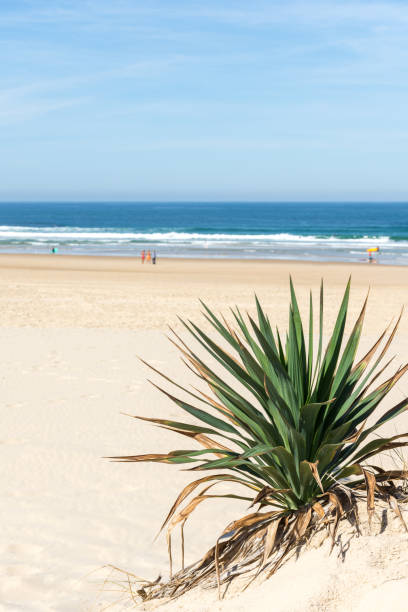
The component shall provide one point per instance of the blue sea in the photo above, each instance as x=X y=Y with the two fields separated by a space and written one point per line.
x=301 y=231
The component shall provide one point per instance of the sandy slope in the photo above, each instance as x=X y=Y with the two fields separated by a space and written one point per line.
x=71 y=332
x=368 y=573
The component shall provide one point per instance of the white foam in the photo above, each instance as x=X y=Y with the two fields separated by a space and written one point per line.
x=20 y=233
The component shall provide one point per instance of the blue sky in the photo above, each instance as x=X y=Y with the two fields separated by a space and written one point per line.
x=136 y=100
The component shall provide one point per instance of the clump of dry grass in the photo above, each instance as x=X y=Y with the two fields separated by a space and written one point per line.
x=299 y=445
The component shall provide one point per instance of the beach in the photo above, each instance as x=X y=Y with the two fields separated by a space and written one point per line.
x=72 y=331
x=121 y=293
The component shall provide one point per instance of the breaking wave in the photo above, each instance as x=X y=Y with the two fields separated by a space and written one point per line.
x=32 y=235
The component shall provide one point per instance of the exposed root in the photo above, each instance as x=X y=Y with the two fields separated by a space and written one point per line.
x=258 y=544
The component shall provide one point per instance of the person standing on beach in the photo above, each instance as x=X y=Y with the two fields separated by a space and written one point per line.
x=148 y=257
x=143 y=255
x=371 y=252
x=154 y=257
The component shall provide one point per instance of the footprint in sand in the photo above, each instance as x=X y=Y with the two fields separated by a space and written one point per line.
x=21 y=550
x=12 y=441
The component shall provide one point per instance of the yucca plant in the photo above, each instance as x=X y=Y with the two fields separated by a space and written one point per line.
x=292 y=431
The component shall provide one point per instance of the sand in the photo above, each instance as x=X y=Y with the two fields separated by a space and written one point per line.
x=121 y=293
x=72 y=329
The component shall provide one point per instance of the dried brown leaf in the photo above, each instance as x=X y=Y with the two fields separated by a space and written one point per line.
x=355 y=436
x=395 y=506
x=318 y=508
x=270 y=539
x=371 y=485
x=188 y=489
x=302 y=523
x=266 y=492
x=315 y=472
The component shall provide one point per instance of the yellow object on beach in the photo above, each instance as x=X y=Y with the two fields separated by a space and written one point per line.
x=373 y=250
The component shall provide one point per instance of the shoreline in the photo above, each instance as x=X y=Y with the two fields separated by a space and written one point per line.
x=198 y=260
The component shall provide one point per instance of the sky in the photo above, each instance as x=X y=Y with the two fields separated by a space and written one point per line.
x=203 y=100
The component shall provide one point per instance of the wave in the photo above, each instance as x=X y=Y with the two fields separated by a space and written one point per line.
x=63 y=234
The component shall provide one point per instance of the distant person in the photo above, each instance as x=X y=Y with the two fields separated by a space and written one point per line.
x=148 y=257
x=143 y=256
x=371 y=251
x=154 y=257
x=54 y=250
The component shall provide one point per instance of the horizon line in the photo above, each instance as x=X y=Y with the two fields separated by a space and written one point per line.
x=193 y=201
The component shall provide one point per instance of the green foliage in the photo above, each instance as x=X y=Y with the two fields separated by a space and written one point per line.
x=294 y=423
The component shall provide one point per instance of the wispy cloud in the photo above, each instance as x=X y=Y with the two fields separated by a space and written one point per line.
x=12 y=112
x=258 y=12
x=365 y=37
x=136 y=69
x=156 y=13
x=305 y=12
x=38 y=97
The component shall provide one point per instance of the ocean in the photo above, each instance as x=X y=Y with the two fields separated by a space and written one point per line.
x=302 y=231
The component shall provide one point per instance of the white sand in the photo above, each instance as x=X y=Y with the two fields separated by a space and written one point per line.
x=66 y=512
